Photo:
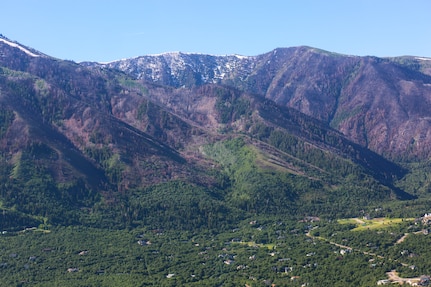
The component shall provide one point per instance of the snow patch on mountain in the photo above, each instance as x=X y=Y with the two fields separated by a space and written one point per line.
x=423 y=58
x=15 y=45
x=180 y=69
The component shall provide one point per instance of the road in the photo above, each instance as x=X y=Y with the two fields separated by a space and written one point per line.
x=392 y=275
x=394 y=278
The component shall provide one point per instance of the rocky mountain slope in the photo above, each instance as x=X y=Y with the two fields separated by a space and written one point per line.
x=380 y=103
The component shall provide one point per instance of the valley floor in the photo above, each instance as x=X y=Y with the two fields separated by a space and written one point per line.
x=255 y=252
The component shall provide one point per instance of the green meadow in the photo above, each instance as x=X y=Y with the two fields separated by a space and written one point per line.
x=375 y=223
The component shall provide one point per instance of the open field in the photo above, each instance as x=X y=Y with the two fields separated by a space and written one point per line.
x=270 y=246
x=375 y=223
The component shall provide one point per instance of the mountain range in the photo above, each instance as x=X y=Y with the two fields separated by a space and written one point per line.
x=190 y=139
x=379 y=103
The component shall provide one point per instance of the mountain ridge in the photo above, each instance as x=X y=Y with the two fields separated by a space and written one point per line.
x=324 y=85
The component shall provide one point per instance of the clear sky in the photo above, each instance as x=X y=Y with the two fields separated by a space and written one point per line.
x=106 y=30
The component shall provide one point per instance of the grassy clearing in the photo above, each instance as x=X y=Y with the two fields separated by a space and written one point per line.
x=267 y=161
x=270 y=246
x=375 y=223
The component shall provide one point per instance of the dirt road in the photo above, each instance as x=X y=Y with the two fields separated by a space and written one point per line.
x=393 y=276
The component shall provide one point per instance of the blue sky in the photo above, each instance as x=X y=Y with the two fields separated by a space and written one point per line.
x=107 y=30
